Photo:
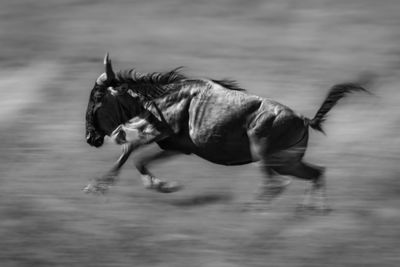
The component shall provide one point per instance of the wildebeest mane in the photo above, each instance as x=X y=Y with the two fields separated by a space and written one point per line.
x=229 y=84
x=156 y=84
x=151 y=85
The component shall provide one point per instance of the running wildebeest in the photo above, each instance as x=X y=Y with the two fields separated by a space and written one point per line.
x=213 y=119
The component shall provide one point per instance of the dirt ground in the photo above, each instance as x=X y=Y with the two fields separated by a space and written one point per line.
x=291 y=51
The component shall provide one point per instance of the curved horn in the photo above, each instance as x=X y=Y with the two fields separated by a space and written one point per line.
x=109 y=71
x=101 y=79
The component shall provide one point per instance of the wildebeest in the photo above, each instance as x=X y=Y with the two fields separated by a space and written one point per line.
x=213 y=119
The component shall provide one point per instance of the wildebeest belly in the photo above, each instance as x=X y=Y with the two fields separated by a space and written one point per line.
x=228 y=148
x=225 y=148
x=218 y=126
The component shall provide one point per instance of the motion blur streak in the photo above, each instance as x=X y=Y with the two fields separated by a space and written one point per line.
x=287 y=50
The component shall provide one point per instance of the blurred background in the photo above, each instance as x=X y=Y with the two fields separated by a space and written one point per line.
x=292 y=51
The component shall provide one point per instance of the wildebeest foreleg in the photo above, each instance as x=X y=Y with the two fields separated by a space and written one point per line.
x=100 y=185
x=149 y=180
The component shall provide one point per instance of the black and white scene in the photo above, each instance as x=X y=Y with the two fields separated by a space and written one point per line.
x=226 y=133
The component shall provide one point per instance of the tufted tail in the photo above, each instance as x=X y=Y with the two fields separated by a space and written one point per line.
x=335 y=93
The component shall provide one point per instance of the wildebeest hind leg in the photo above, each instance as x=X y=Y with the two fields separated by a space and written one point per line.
x=273 y=184
x=315 y=197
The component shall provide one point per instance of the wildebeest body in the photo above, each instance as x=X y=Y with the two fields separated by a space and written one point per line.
x=215 y=123
x=215 y=120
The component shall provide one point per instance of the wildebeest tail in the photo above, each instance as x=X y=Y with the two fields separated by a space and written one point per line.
x=335 y=93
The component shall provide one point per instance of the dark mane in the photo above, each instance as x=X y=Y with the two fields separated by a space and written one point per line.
x=156 y=84
x=229 y=84
x=151 y=85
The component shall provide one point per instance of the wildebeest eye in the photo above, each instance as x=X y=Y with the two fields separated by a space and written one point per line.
x=97 y=96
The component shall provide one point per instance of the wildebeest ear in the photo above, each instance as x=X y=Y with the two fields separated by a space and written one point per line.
x=109 y=71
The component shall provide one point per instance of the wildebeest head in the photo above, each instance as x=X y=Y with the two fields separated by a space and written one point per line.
x=109 y=106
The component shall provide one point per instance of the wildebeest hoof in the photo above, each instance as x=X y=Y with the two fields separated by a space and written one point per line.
x=272 y=190
x=255 y=206
x=313 y=209
x=159 y=185
x=96 y=189
x=167 y=187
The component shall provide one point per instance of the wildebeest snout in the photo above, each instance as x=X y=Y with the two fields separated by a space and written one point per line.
x=94 y=139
